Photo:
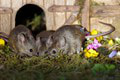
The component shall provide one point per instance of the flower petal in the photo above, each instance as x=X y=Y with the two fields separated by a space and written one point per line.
x=2 y=42
x=110 y=42
x=118 y=53
x=90 y=46
x=112 y=54
x=87 y=55
x=94 y=32
x=95 y=41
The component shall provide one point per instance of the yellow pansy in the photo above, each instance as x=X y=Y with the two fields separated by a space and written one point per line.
x=110 y=42
x=91 y=53
x=95 y=54
x=99 y=38
x=85 y=50
x=2 y=42
x=94 y=32
x=87 y=55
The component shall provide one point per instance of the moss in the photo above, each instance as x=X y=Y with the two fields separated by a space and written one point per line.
x=60 y=67
x=104 y=51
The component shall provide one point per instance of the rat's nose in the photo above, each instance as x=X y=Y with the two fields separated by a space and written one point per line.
x=46 y=52
x=37 y=53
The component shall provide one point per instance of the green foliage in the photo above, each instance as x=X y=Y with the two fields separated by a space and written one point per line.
x=102 y=68
x=59 y=67
x=35 y=22
x=81 y=4
x=104 y=51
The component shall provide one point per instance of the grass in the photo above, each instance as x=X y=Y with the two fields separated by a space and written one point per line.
x=61 y=67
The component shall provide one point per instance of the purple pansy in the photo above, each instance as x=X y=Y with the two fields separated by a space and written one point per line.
x=112 y=54
x=94 y=45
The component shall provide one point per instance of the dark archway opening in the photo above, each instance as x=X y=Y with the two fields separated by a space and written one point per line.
x=33 y=17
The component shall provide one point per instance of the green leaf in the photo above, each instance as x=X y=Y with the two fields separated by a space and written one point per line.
x=110 y=66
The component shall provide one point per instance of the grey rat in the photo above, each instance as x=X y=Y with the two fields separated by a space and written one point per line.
x=69 y=39
x=21 y=41
x=41 y=40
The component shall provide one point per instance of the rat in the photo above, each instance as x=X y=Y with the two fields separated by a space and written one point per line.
x=69 y=39
x=21 y=41
x=41 y=40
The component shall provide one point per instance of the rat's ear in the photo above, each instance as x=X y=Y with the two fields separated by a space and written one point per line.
x=38 y=42
x=21 y=37
x=49 y=41
x=62 y=42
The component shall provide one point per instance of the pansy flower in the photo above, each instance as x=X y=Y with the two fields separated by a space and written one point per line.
x=94 y=45
x=112 y=54
x=110 y=42
x=91 y=53
x=2 y=42
x=95 y=32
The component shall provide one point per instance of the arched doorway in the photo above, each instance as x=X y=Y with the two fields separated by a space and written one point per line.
x=33 y=17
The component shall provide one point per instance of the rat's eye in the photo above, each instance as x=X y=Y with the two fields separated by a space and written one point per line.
x=54 y=51
x=31 y=50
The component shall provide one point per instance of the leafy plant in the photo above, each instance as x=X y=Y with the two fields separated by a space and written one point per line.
x=102 y=68
x=35 y=22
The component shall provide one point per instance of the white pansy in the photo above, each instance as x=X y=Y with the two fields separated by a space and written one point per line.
x=118 y=53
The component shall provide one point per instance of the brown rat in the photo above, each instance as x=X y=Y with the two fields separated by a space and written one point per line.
x=21 y=41
x=69 y=39
x=41 y=40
